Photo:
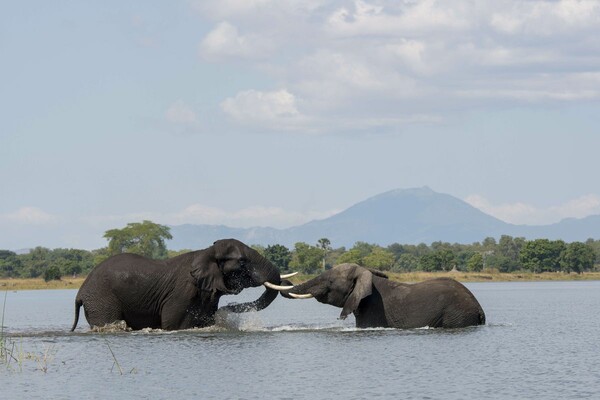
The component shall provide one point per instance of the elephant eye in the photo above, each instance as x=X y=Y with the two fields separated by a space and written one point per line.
x=243 y=262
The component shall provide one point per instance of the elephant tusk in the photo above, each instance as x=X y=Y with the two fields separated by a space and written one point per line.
x=277 y=287
x=285 y=276
x=301 y=296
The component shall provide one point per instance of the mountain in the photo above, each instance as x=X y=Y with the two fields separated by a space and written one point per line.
x=407 y=216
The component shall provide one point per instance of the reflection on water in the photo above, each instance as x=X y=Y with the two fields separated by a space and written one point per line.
x=540 y=342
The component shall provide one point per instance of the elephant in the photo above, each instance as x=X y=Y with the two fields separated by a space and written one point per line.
x=179 y=293
x=378 y=302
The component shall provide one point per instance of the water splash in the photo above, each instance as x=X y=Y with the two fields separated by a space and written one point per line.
x=114 y=327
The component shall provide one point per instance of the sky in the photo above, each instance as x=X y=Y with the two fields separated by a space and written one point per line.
x=277 y=112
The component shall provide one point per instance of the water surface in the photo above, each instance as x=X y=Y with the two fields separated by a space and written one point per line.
x=541 y=342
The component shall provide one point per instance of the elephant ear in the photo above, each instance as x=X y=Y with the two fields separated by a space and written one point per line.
x=207 y=274
x=363 y=287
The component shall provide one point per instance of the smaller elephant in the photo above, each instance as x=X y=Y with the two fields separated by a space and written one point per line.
x=378 y=302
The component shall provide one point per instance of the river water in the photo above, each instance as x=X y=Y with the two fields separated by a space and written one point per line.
x=542 y=341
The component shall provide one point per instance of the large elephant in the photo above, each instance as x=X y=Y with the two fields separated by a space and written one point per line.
x=178 y=293
x=379 y=302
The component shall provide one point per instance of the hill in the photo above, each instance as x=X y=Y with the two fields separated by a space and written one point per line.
x=408 y=216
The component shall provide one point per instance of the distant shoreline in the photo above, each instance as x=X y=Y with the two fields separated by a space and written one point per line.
x=12 y=284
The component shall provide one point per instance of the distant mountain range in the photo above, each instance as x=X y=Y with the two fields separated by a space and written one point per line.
x=406 y=216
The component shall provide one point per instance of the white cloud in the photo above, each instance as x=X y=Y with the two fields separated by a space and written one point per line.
x=522 y=213
x=29 y=216
x=401 y=18
x=276 y=109
x=546 y=18
x=224 y=41
x=181 y=113
x=276 y=217
x=381 y=60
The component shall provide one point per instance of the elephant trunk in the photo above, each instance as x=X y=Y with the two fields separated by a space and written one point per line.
x=300 y=291
x=265 y=272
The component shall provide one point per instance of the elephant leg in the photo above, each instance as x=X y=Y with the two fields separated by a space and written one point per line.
x=100 y=313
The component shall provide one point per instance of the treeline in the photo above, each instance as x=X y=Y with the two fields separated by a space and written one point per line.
x=508 y=254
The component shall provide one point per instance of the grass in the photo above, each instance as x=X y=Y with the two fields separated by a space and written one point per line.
x=10 y=284
x=39 y=283
x=12 y=354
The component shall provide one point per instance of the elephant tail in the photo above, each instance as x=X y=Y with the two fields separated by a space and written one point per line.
x=78 y=304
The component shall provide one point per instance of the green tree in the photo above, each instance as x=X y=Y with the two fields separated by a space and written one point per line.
x=406 y=262
x=506 y=257
x=475 y=263
x=379 y=258
x=428 y=263
x=397 y=250
x=577 y=257
x=35 y=262
x=306 y=258
x=145 y=238
x=357 y=253
x=52 y=273
x=595 y=246
x=10 y=264
x=542 y=255
x=440 y=260
x=279 y=255
x=352 y=256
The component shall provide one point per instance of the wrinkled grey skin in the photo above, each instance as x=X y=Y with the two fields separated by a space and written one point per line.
x=179 y=293
x=379 y=302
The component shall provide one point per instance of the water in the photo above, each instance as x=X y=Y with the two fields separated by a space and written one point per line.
x=541 y=342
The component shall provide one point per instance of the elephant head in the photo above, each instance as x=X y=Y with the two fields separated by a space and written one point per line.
x=229 y=266
x=344 y=286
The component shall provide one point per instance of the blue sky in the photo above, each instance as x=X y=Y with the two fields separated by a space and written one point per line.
x=277 y=112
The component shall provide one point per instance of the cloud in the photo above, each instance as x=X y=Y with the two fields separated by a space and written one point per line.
x=395 y=61
x=276 y=109
x=546 y=18
x=276 y=217
x=527 y=214
x=180 y=113
x=29 y=216
x=224 y=41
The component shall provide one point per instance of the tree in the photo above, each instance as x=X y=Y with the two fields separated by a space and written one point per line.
x=406 y=262
x=352 y=256
x=357 y=253
x=542 y=255
x=279 y=255
x=35 y=262
x=52 y=273
x=10 y=264
x=475 y=263
x=146 y=238
x=577 y=257
x=428 y=263
x=379 y=258
x=306 y=258
x=325 y=245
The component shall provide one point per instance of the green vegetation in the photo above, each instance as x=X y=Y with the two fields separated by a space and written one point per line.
x=146 y=239
x=64 y=267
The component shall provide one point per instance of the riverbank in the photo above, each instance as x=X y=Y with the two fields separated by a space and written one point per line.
x=39 y=284
x=74 y=283
x=491 y=276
